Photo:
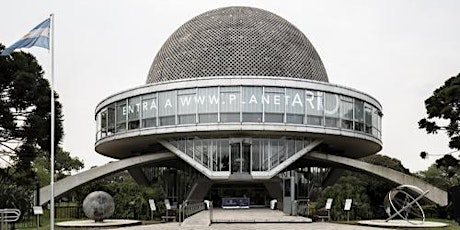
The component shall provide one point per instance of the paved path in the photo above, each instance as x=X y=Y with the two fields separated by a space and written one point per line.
x=278 y=221
x=270 y=226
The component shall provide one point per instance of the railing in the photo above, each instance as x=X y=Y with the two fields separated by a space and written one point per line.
x=8 y=216
x=211 y=209
x=189 y=208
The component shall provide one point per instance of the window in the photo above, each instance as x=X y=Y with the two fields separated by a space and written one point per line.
x=368 y=118
x=111 y=119
x=208 y=104
x=230 y=104
x=314 y=107
x=186 y=106
x=346 y=112
x=149 y=110
x=359 y=115
x=252 y=104
x=167 y=108
x=121 y=116
x=134 y=105
x=331 y=110
x=295 y=106
x=274 y=103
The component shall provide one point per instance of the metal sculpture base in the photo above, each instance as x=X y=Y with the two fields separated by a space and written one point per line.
x=93 y=224
x=402 y=224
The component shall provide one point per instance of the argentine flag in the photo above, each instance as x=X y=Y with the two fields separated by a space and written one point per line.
x=38 y=36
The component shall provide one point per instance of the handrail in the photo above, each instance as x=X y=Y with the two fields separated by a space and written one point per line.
x=8 y=215
x=189 y=208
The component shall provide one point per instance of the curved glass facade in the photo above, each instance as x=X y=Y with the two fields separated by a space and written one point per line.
x=239 y=104
x=240 y=155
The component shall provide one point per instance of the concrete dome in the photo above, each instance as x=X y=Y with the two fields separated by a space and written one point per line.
x=237 y=41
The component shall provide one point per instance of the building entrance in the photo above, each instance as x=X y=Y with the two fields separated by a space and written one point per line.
x=240 y=149
x=257 y=193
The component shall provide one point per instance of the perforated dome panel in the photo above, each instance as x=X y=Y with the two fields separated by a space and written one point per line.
x=237 y=41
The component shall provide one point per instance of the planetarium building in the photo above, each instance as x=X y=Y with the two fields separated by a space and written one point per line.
x=236 y=99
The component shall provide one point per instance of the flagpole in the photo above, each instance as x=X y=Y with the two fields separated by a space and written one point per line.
x=52 y=125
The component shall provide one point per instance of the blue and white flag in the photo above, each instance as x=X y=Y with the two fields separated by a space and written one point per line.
x=38 y=36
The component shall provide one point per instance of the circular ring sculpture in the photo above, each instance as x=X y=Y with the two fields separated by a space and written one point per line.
x=400 y=202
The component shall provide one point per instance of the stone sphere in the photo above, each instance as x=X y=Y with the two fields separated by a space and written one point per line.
x=98 y=206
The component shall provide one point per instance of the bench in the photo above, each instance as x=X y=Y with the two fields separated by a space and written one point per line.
x=326 y=212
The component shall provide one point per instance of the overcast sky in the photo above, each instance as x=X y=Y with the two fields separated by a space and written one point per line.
x=397 y=51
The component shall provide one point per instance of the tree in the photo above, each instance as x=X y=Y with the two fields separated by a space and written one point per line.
x=24 y=124
x=63 y=167
x=443 y=110
x=130 y=198
x=367 y=191
x=438 y=177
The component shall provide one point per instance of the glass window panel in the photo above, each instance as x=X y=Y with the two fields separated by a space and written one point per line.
x=181 y=144
x=169 y=120
x=295 y=101
x=98 y=126
x=274 y=153
x=346 y=111
x=273 y=100
x=256 y=155
x=252 y=117
x=167 y=107
x=314 y=107
x=149 y=110
x=368 y=118
x=290 y=147
x=205 y=152
x=252 y=99
x=252 y=104
x=282 y=150
x=208 y=100
x=274 y=117
x=213 y=154
x=331 y=110
x=295 y=118
x=207 y=118
x=197 y=150
x=187 y=119
x=111 y=119
x=167 y=103
x=224 y=154
x=236 y=157
x=359 y=115
x=121 y=116
x=103 y=123
x=266 y=155
x=133 y=110
x=186 y=101
x=189 y=144
x=230 y=99
x=299 y=143
x=230 y=117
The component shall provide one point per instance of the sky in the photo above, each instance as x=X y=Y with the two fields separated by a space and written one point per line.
x=397 y=51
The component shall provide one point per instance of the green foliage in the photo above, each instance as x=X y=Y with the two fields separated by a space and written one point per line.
x=348 y=187
x=63 y=167
x=130 y=198
x=25 y=105
x=439 y=176
x=367 y=191
x=444 y=106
